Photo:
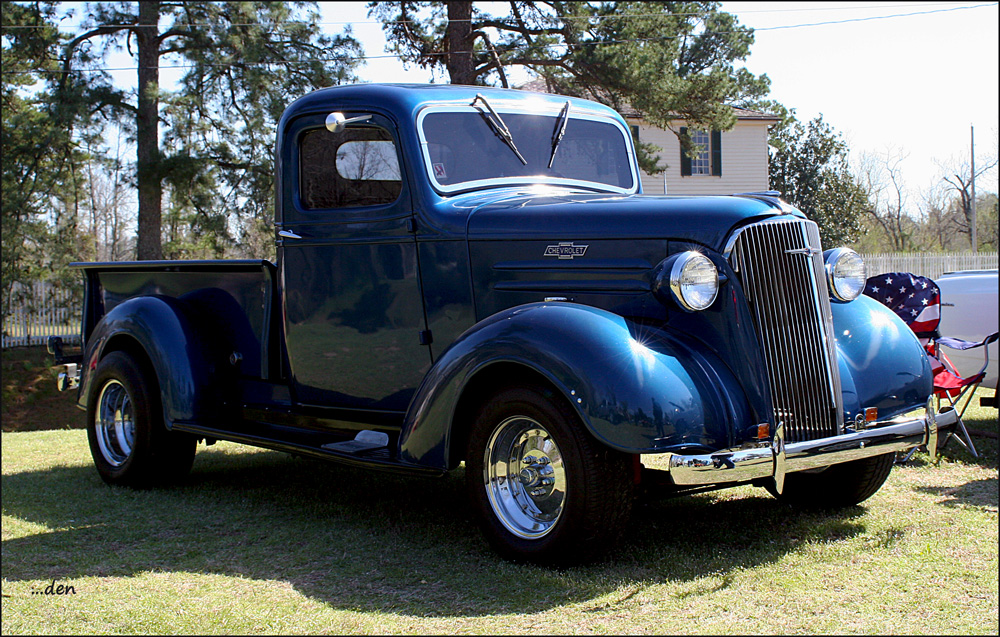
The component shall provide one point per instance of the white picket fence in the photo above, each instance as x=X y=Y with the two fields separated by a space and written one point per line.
x=40 y=311
x=928 y=264
x=46 y=310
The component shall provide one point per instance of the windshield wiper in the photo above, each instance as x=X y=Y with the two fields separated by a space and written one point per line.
x=560 y=130
x=493 y=119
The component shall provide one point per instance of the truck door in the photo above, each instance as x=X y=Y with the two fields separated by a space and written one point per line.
x=353 y=311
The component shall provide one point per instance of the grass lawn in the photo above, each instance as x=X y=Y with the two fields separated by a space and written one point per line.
x=260 y=542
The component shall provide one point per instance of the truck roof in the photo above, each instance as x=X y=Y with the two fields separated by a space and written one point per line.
x=407 y=99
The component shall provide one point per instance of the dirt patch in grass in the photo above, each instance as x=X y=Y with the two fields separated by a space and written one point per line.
x=31 y=401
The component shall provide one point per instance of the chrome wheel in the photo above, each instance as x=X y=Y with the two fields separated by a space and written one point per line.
x=128 y=438
x=114 y=423
x=525 y=477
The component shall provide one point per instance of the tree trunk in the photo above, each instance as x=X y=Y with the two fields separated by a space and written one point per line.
x=459 y=43
x=148 y=134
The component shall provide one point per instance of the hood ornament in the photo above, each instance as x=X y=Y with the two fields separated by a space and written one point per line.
x=809 y=252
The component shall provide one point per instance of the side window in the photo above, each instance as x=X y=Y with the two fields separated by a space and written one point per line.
x=353 y=168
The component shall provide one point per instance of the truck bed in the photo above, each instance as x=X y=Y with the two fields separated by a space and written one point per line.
x=234 y=297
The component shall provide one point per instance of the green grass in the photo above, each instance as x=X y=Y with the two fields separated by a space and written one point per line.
x=260 y=542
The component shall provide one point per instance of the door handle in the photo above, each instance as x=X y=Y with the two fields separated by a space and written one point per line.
x=288 y=234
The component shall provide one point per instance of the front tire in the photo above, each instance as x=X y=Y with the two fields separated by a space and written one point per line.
x=128 y=440
x=840 y=485
x=542 y=489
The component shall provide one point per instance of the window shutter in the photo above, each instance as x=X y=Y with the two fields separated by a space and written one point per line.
x=717 y=153
x=685 y=160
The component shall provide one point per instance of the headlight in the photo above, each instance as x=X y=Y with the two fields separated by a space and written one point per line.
x=694 y=281
x=845 y=273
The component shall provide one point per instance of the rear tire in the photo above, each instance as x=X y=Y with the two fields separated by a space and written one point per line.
x=542 y=489
x=128 y=440
x=840 y=485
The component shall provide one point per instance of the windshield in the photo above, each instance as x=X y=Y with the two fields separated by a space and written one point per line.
x=462 y=148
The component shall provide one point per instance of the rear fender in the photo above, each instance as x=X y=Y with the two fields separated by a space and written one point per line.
x=636 y=389
x=186 y=370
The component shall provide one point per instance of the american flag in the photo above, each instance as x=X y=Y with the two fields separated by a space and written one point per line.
x=915 y=299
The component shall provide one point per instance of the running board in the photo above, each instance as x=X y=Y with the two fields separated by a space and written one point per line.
x=365 y=441
x=376 y=458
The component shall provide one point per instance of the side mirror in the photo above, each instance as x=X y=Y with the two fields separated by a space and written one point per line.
x=336 y=122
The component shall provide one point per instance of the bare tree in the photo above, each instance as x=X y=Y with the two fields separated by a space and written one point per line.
x=959 y=177
x=110 y=205
x=880 y=174
x=938 y=228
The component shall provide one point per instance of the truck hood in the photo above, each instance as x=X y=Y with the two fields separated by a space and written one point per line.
x=704 y=220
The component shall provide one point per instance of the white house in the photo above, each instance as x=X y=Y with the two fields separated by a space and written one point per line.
x=729 y=161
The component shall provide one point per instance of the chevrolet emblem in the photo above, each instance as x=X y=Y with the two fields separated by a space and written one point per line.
x=565 y=250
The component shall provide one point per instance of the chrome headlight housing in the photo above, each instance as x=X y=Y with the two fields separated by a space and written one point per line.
x=694 y=281
x=845 y=273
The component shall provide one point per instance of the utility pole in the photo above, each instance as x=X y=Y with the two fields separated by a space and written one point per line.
x=972 y=204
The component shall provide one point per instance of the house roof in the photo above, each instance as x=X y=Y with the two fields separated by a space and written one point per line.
x=538 y=85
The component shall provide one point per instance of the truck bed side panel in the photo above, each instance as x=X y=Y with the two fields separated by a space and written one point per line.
x=232 y=300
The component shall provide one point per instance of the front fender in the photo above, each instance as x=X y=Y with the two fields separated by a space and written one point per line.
x=184 y=367
x=636 y=389
x=882 y=364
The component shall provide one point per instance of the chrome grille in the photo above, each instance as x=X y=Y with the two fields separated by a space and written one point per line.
x=780 y=267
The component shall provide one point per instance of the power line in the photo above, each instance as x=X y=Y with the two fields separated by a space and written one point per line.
x=511 y=22
x=362 y=58
x=876 y=17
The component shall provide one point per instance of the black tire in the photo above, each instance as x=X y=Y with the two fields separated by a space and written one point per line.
x=580 y=514
x=128 y=440
x=840 y=485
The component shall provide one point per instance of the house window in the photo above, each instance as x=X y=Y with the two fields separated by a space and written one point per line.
x=707 y=158
x=701 y=163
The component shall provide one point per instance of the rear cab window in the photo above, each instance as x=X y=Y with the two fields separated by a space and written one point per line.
x=357 y=167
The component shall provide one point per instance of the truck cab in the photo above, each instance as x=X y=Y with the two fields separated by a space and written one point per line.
x=469 y=275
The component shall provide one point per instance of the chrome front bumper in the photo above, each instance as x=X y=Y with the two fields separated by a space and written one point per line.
x=781 y=458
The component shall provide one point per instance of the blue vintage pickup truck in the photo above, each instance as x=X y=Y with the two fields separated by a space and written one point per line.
x=468 y=274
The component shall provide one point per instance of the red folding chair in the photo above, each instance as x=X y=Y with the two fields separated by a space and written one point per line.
x=917 y=300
